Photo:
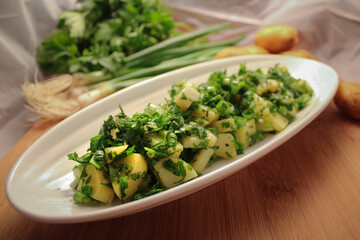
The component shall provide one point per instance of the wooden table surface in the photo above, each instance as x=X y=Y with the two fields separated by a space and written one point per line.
x=309 y=188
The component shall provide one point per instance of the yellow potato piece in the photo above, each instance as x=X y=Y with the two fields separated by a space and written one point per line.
x=186 y=97
x=139 y=167
x=225 y=125
x=174 y=152
x=261 y=104
x=194 y=141
x=244 y=133
x=155 y=139
x=264 y=126
x=277 y=38
x=168 y=178
x=209 y=114
x=201 y=159
x=239 y=51
x=225 y=146
x=278 y=121
x=270 y=85
x=113 y=151
x=100 y=192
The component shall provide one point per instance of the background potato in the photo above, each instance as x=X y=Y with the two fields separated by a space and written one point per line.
x=299 y=53
x=238 y=51
x=277 y=38
x=347 y=99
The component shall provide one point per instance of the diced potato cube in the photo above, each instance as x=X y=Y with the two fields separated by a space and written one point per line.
x=270 y=85
x=126 y=184
x=278 y=121
x=151 y=109
x=201 y=159
x=226 y=146
x=287 y=100
x=155 y=139
x=244 y=133
x=174 y=153
x=96 y=180
x=260 y=104
x=302 y=86
x=77 y=170
x=293 y=111
x=118 y=120
x=251 y=127
x=269 y=103
x=194 y=141
x=264 y=126
x=191 y=93
x=189 y=84
x=209 y=114
x=225 y=125
x=186 y=97
x=111 y=152
x=172 y=172
x=203 y=122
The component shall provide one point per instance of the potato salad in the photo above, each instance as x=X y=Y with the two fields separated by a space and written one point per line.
x=168 y=144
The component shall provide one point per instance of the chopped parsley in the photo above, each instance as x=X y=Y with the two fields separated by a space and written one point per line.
x=87 y=190
x=147 y=192
x=177 y=168
x=225 y=125
x=123 y=185
x=159 y=131
x=81 y=198
x=88 y=180
x=135 y=176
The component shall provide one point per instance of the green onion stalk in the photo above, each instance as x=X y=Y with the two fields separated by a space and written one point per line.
x=102 y=89
x=87 y=88
x=167 y=49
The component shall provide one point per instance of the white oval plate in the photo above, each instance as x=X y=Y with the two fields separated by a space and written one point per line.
x=38 y=184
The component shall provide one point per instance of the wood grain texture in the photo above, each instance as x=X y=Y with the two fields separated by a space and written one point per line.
x=309 y=188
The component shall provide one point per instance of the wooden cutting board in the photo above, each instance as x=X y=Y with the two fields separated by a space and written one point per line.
x=309 y=188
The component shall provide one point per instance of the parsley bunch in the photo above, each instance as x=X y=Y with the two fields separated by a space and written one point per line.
x=99 y=34
x=107 y=45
